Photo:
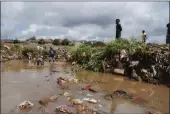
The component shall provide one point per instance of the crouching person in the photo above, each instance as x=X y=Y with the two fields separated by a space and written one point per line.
x=39 y=61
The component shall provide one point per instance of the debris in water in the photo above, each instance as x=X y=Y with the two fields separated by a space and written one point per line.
x=53 y=98
x=90 y=100
x=66 y=94
x=89 y=95
x=74 y=101
x=25 y=105
x=43 y=102
x=63 y=108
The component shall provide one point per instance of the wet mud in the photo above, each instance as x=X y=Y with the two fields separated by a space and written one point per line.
x=21 y=80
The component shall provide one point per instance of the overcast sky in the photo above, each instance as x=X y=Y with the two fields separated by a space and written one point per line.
x=84 y=20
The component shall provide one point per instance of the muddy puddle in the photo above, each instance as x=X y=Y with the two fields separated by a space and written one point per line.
x=21 y=80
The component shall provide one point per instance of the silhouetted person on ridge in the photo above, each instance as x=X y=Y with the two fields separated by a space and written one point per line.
x=118 y=29
x=168 y=33
x=143 y=36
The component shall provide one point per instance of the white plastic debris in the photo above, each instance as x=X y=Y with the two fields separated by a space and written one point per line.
x=53 y=98
x=25 y=105
x=90 y=100
x=79 y=101
x=66 y=94
x=89 y=95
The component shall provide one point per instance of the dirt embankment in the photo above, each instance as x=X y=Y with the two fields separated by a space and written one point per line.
x=147 y=63
x=151 y=67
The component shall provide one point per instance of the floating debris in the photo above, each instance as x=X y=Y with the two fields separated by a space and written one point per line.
x=90 y=100
x=62 y=108
x=25 y=105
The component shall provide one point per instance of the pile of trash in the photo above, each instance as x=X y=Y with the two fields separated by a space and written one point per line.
x=151 y=66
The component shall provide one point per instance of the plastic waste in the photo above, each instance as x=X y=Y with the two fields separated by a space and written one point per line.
x=25 y=105
x=62 y=108
x=66 y=94
x=90 y=100
x=89 y=95
x=53 y=98
x=76 y=101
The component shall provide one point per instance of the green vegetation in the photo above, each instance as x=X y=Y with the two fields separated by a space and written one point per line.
x=56 y=42
x=41 y=42
x=26 y=50
x=16 y=41
x=90 y=57
x=32 y=38
x=65 y=42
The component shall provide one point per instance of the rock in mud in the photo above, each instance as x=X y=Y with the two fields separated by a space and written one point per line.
x=94 y=88
x=63 y=83
x=118 y=93
x=45 y=101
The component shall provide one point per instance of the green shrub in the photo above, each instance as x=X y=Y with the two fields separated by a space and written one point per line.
x=56 y=42
x=29 y=49
x=41 y=42
x=65 y=42
x=94 y=55
x=16 y=41
x=32 y=38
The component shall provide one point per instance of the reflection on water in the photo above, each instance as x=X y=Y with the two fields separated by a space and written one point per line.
x=128 y=108
x=21 y=80
x=19 y=65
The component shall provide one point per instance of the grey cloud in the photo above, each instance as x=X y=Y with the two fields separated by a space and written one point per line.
x=86 y=19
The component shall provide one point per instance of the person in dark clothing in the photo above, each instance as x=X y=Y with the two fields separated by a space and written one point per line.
x=168 y=33
x=143 y=36
x=52 y=54
x=118 y=28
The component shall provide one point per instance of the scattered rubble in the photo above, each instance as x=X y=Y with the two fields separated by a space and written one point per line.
x=62 y=108
x=25 y=105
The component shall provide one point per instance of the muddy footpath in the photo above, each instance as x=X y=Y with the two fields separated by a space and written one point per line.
x=26 y=88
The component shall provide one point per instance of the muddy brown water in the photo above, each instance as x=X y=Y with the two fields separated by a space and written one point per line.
x=21 y=80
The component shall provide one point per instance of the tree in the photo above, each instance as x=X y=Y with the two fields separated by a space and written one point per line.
x=32 y=38
x=65 y=42
x=41 y=41
x=56 y=42
x=16 y=41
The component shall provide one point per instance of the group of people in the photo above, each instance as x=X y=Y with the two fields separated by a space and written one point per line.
x=39 y=59
x=119 y=30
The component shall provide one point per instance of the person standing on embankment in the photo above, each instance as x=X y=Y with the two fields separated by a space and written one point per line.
x=143 y=36
x=168 y=33
x=118 y=29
